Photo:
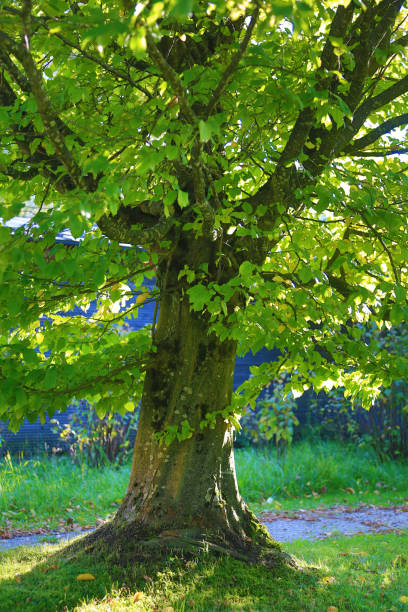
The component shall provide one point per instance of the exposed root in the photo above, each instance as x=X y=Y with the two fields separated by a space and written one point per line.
x=129 y=543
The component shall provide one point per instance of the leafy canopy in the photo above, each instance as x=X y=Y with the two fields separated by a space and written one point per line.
x=270 y=134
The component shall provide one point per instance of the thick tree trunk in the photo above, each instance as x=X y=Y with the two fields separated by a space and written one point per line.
x=184 y=495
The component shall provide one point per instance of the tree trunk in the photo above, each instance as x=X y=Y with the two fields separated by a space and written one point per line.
x=184 y=494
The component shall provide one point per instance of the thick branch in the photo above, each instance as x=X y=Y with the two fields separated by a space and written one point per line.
x=378 y=153
x=338 y=29
x=376 y=102
x=119 y=227
x=375 y=134
x=199 y=188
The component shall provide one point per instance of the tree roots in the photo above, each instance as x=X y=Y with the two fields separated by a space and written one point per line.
x=127 y=543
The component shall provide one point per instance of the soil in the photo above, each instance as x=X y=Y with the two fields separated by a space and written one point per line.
x=285 y=526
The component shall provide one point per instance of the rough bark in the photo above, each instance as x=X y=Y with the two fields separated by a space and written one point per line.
x=184 y=495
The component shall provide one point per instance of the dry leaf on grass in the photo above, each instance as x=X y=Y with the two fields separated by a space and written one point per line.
x=332 y=609
x=85 y=577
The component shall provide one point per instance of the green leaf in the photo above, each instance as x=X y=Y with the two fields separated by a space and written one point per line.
x=182 y=198
x=205 y=131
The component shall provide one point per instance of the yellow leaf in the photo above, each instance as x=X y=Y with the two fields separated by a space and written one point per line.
x=139 y=596
x=85 y=577
x=141 y=298
x=403 y=599
x=332 y=609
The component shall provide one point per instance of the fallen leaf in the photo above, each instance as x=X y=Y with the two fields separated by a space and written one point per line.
x=85 y=577
x=403 y=599
x=139 y=596
x=350 y=490
x=332 y=609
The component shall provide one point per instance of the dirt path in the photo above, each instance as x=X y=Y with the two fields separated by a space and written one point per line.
x=286 y=526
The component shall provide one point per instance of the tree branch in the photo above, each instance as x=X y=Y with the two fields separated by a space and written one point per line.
x=119 y=73
x=172 y=78
x=199 y=189
x=376 y=102
x=376 y=133
x=50 y=120
x=119 y=227
x=233 y=64
x=379 y=153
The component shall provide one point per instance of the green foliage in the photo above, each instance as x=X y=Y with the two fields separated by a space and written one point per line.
x=384 y=426
x=272 y=421
x=97 y=441
x=252 y=144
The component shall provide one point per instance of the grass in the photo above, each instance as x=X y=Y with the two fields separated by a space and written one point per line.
x=322 y=473
x=54 y=493
x=359 y=573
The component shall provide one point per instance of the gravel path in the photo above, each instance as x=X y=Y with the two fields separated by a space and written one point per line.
x=338 y=520
x=288 y=526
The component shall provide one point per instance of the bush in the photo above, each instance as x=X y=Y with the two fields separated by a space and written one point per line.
x=384 y=427
x=97 y=441
x=272 y=422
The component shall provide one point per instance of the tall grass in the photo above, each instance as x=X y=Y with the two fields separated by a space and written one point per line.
x=53 y=492
x=46 y=490
x=321 y=466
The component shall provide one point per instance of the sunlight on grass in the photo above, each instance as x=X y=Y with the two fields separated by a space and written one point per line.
x=52 y=492
x=357 y=573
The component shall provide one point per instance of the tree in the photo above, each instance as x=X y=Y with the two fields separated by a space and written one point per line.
x=248 y=154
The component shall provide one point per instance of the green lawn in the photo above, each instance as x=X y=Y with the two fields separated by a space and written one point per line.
x=357 y=573
x=54 y=493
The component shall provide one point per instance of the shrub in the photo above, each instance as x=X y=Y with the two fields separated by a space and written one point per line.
x=272 y=422
x=97 y=441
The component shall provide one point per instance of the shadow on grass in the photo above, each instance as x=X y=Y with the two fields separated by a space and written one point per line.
x=46 y=580
x=360 y=573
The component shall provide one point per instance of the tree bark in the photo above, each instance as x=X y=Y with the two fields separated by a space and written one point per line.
x=184 y=495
